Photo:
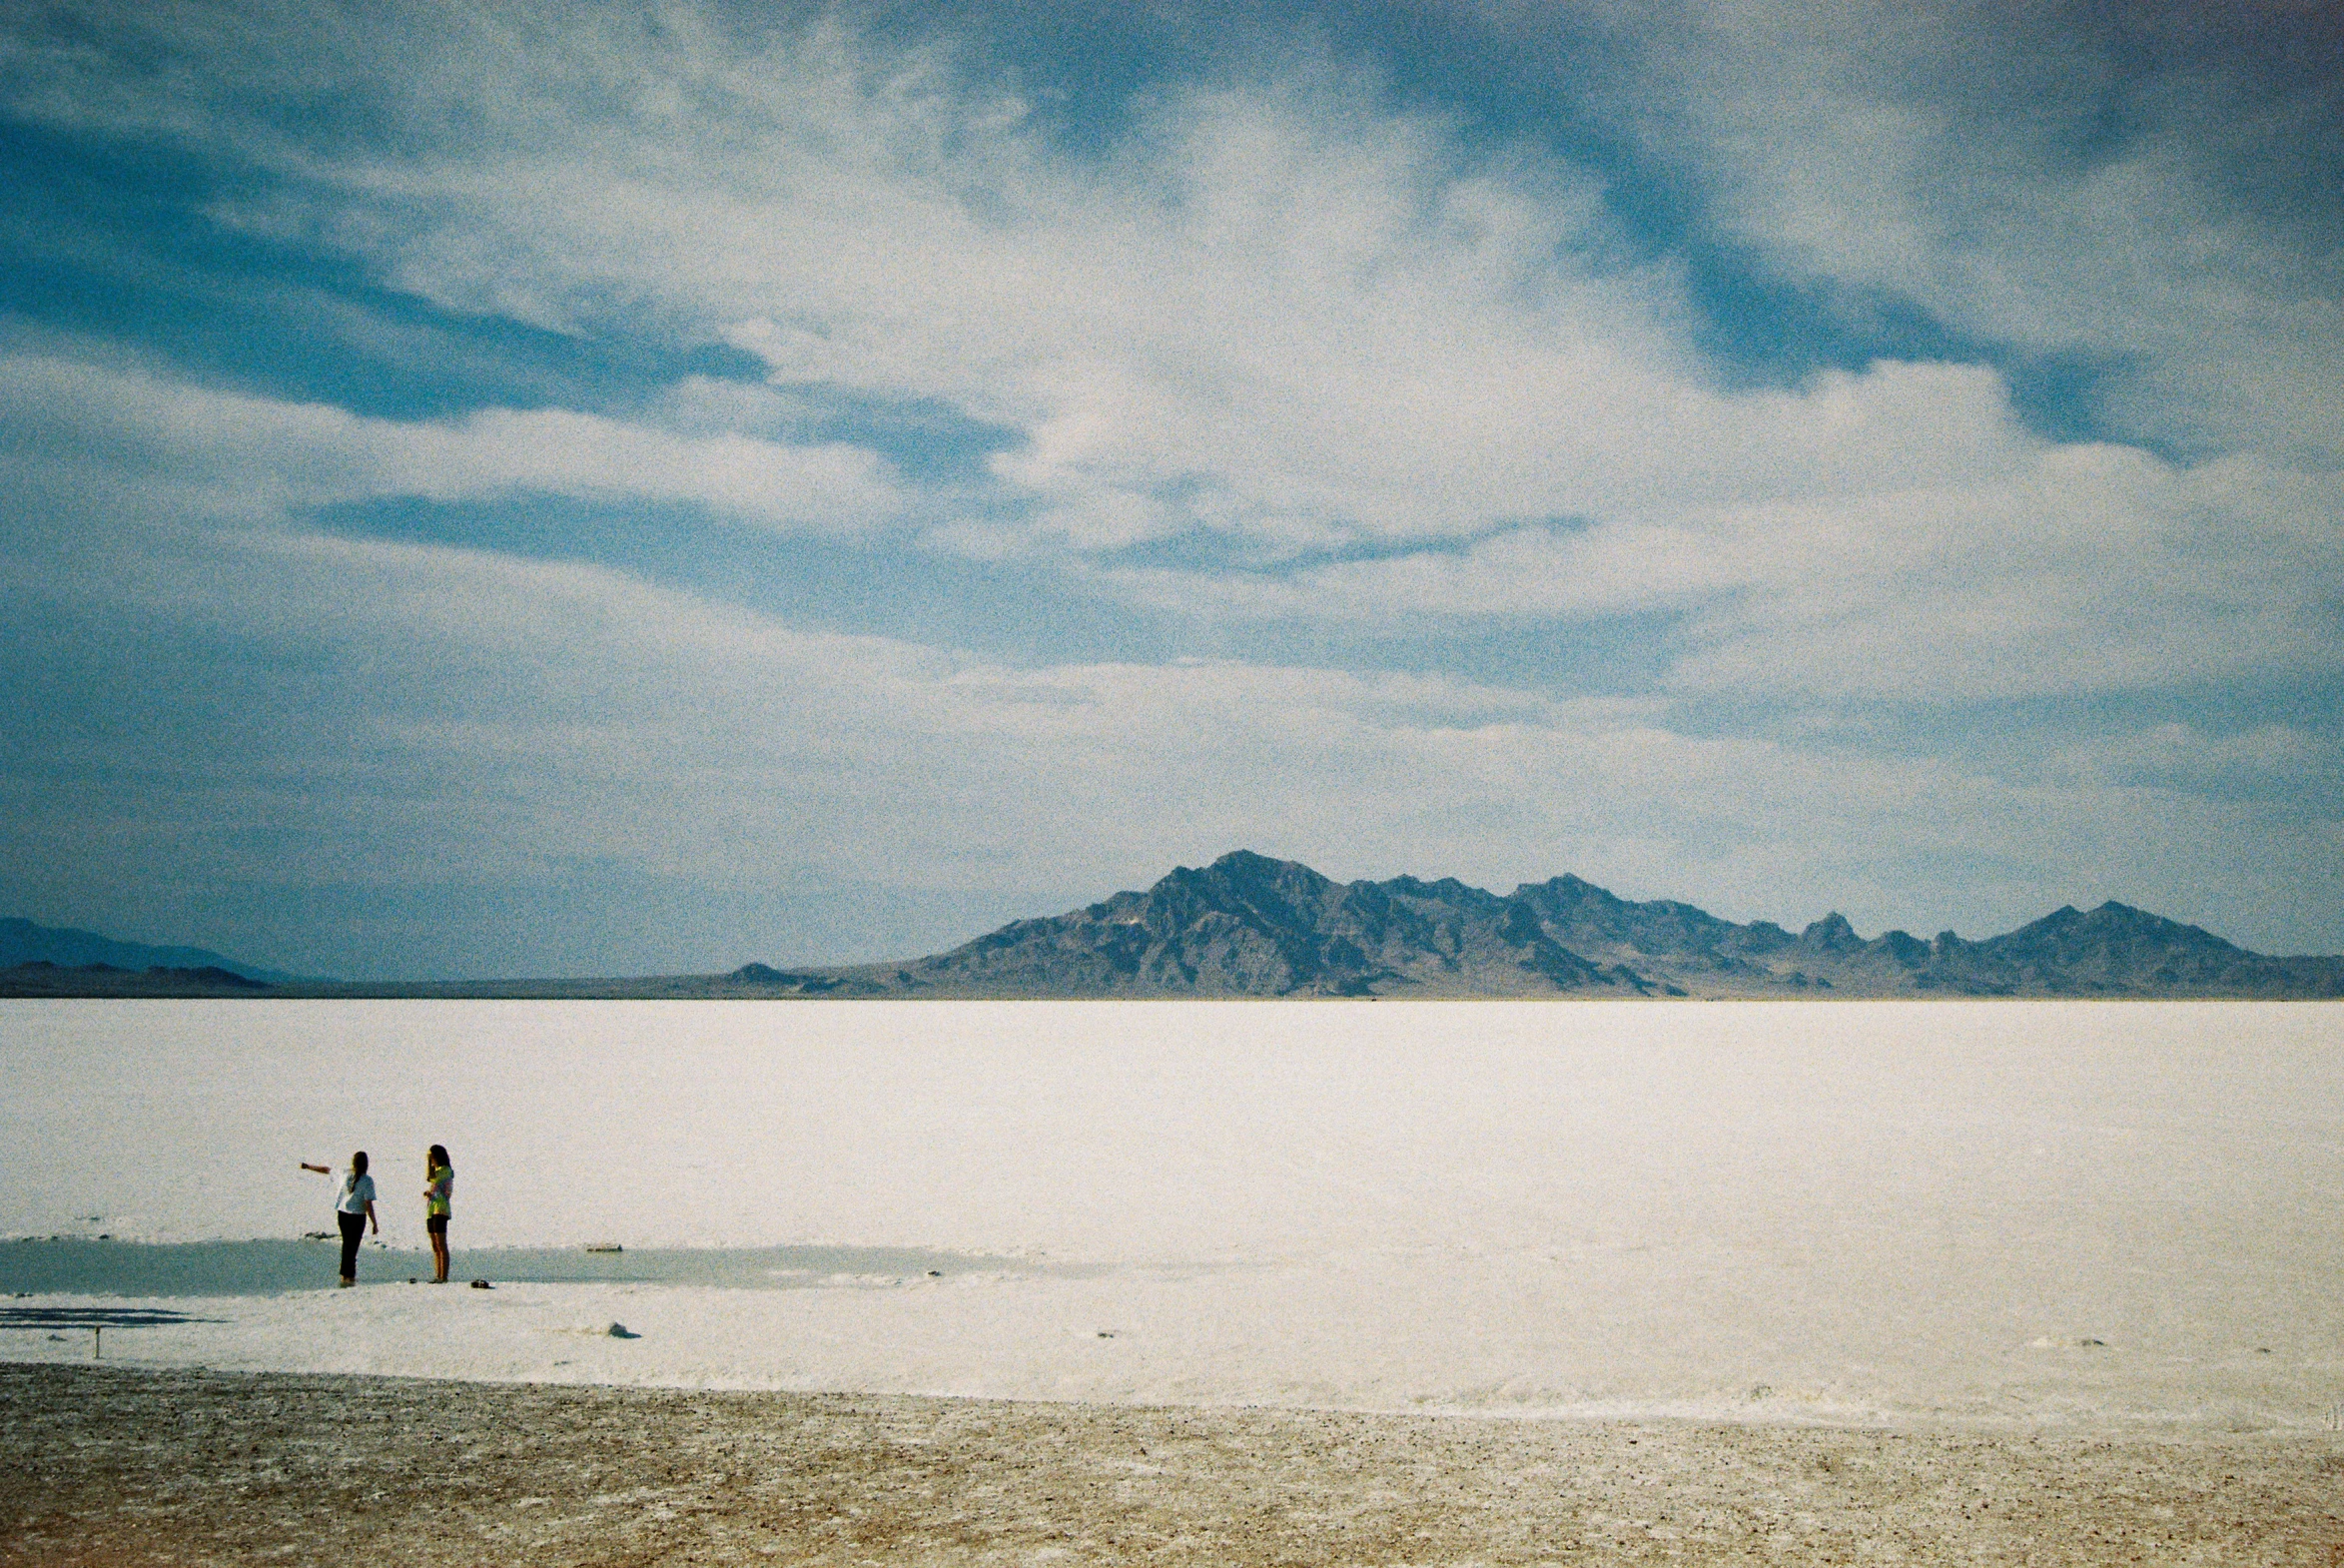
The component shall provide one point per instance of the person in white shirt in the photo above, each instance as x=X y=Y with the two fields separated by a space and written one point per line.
x=353 y=1211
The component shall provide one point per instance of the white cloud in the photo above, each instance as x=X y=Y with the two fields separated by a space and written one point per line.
x=1278 y=312
x=2064 y=178
x=463 y=717
x=256 y=456
x=2090 y=569
x=1291 y=319
x=2100 y=569
x=2276 y=762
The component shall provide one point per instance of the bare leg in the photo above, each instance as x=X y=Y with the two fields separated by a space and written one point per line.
x=439 y=1257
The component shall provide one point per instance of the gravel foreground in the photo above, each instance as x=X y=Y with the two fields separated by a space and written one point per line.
x=111 y=1465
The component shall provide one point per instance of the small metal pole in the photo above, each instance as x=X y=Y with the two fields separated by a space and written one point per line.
x=97 y=1340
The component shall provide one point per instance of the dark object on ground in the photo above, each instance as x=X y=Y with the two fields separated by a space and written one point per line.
x=482 y=1284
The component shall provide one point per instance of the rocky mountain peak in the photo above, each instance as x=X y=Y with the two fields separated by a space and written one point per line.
x=1832 y=933
x=1249 y=924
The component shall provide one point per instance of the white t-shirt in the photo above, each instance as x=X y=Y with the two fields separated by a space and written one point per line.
x=356 y=1193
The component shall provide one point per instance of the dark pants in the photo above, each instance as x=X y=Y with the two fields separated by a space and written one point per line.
x=353 y=1227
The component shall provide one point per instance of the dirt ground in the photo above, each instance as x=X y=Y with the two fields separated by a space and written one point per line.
x=105 y=1465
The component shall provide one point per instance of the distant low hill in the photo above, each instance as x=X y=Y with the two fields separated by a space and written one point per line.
x=58 y=960
x=1250 y=925
x=43 y=979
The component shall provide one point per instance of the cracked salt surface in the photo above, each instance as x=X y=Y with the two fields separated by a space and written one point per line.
x=2012 y=1214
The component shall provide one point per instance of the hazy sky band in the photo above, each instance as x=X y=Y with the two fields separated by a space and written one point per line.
x=494 y=492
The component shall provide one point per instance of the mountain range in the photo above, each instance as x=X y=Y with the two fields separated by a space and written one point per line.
x=1250 y=925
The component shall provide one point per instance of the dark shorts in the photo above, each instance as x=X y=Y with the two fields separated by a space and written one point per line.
x=437 y=1224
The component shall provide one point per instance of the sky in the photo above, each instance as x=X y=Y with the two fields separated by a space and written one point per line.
x=568 y=488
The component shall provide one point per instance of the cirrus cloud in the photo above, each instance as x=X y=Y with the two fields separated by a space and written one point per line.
x=1277 y=356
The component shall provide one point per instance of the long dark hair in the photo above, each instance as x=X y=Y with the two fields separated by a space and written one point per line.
x=438 y=1157
x=358 y=1164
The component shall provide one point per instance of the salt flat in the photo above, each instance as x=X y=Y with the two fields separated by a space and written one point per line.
x=191 y=1467
x=2009 y=1213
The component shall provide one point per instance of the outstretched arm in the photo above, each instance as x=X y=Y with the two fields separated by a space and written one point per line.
x=320 y=1170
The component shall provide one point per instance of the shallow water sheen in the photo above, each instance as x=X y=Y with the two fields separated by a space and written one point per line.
x=78 y=1266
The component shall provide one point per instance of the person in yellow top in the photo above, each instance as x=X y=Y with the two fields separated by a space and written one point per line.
x=439 y=1189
